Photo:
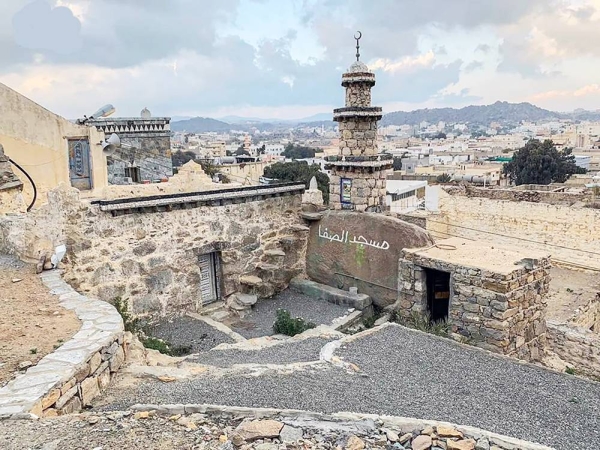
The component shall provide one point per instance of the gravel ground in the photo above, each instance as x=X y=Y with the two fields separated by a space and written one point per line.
x=260 y=321
x=187 y=331
x=412 y=374
x=289 y=352
x=10 y=262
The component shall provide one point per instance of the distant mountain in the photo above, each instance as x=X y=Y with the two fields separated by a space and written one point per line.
x=200 y=125
x=322 y=117
x=502 y=112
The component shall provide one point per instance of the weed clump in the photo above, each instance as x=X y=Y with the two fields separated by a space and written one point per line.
x=422 y=322
x=285 y=324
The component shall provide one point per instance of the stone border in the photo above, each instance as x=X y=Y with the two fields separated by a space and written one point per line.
x=70 y=377
x=405 y=424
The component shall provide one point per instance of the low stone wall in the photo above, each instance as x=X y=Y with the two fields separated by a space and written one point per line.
x=459 y=436
x=499 y=311
x=523 y=195
x=578 y=347
x=588 y=316
x=421 y=222
x=68 y=379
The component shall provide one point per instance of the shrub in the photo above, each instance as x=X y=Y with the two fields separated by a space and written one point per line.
x=422 y=322
x=130 y=323
x=284 y=324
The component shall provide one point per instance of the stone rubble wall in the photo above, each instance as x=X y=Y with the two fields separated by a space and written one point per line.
x=576 y=346
x=68 y=379
x=355 y=421
x=358 y=94
x=569 y=232
x=152 y=259
x=358 y=137
x=588 y=316
x=503 y=313
x=530 y=194
x=368 y=189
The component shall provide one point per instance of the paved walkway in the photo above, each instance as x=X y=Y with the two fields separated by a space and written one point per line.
x=406 y=373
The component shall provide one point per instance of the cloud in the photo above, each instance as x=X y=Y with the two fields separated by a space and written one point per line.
x=39 y=27
x=405 y=64
x=473 y=66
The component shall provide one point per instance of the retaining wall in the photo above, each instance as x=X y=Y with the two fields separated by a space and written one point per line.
x=68 y=379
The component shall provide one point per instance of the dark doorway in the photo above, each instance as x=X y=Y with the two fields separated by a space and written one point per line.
x=79 y=164
x=438 y=294
x=210 y=277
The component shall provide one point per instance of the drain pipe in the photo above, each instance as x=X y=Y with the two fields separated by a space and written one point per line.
x=30 y=180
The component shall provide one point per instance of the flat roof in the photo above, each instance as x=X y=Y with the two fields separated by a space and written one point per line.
x=402 y=186
x=478 y=255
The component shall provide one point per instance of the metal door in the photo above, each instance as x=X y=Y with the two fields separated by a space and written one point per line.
x=209 y=280
x=79 y=164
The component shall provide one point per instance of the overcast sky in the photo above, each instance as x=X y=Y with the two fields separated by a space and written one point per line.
x=284 y=58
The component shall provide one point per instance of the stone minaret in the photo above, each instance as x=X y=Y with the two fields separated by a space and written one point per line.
x=358 y=172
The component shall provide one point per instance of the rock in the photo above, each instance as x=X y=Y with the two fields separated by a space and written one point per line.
x=405 y=438
x=428 y=430
x=219 y=316
x=226 y=446
x=422 y=442
x=246 y=300
x=266 y=446
x=237 y=439
x=482 y=444
x=51 y=398
x=89 y=390
x=259 y=429
x=448 y=432
x=25 y=365
x=250 y=280
x=354 y=443
x=467 y=444
x=392 y=436
x=274 y=253
x=16 y=280
x=290 y=434
x=187 y=422
x=141 y=415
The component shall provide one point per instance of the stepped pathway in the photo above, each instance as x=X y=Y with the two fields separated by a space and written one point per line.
x=283 y=352
x=406 y=373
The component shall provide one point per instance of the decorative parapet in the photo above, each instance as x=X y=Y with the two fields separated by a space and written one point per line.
x=161 y=203
x=358 y=77
x=131 y=125
x=68 y=379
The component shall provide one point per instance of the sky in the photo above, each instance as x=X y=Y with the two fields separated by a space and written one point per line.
x=284 y=59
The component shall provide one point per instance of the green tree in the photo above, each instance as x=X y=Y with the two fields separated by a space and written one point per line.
x=443 y=178
x=298 y=152
x=240 y=151
x=299 y=171
x=541 y=163
x=179 y=158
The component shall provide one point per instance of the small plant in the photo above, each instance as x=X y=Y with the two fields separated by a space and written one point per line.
x=285 y=324
x=33 y=351
x=422 y=322
x=157 y=344
x=569 y=290
x=571 y=371
x=130 y=323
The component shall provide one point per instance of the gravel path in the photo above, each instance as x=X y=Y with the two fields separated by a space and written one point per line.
x=187 y=331
x=286 y=353
x=260 y=321
x=416 y=375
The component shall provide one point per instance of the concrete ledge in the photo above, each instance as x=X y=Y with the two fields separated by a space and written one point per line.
x=331 y=294
x=405 y=424
x=68 y=379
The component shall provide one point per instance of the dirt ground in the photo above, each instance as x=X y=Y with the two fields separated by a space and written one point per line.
x=32 y=322
x=569 y=290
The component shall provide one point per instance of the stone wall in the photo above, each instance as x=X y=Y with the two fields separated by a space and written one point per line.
x=152 y=154
x=578 y=347
x=358 y=137
x=499 y=311
x=526 y=193
x=358 y=94
x=588 y=316
x=570 y=234
x=368 y=188
x=152 y=259
x=68 y=379
x=337 y=256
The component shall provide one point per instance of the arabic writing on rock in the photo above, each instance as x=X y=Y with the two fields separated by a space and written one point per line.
x=359 y=240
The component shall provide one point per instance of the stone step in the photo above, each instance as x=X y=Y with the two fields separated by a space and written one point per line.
x=250 y=280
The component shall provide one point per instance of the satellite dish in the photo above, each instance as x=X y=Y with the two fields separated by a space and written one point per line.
x=110 y=145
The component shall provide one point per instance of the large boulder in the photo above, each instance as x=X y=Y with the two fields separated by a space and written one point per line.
x=348 y=248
